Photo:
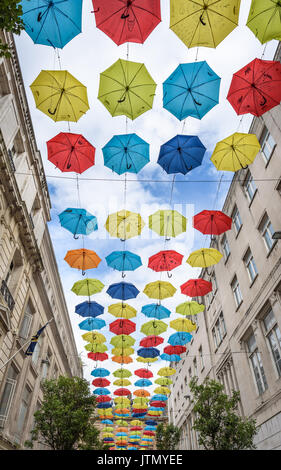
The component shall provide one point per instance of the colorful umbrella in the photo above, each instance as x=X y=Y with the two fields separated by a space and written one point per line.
x=103 y=399
x=126 y=153
x=147 y=359
x=122 y=341
x=264 y=20
x=143 y=383
x=124 y=224
x=167 y=223
x=210 y=222
x=155 y=311
x=100 y=372
x=122 y=351
x=133 y=21
x=148 y=352
x=179 y=338
x=100 y=382
x=101 y=391
x=94 y=337
x=82 y=259
x=143 y=373
x=52 y=23
x=122 y=310
x=122 y=327
x=123 y=291
x=165 y=261
x=59 y=95
x=107 y=421
x=78 y=221
x=121 y=422
x=89 y=309
x=170 y=357
x=165 y=372
x=122 y=359
x=203 y=24
x=154 y=327
x=151 y=341
x=87 y=287
x=183 y=324
x=126 y=88
x=97 y=356
x=190 y=308
x=181 y=154
x=174 y=349
x=163 y=381
x=196 y=287
x=256 y=88
x=162 y=390
x=123 y=261
x=122 y=373
x=235 y=152
x=90 y=324
x=159 y=290
x=204 y=257
x=122 y=392
x=191 y=90
x=122 y=400
x=71 y=152
x=141 y=393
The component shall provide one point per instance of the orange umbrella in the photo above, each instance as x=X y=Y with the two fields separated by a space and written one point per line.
x=122 y=411
x=82 y=259
x=141 y=393
x=122 y=429
x=122 y=359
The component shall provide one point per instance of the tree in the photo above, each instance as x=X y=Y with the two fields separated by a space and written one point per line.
x=217 y=421
x=65 y=419
x=167 y=437
x=10 y=20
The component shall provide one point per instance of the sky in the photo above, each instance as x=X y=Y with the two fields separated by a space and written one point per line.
x=102 y=191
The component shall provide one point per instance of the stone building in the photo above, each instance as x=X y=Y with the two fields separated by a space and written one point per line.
x=238 y=339
x=30 y=288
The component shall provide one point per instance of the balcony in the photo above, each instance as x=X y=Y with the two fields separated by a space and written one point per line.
x=7 y=296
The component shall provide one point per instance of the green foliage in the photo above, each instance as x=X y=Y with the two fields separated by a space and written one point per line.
x=217 y=422
x=167 y=437
x=65 y=420
x=10 y=20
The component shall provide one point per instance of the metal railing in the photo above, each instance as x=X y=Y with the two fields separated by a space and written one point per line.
x=7 y=295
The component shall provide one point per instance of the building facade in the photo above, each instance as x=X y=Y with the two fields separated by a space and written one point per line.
x=238 y=336
x=31 y=293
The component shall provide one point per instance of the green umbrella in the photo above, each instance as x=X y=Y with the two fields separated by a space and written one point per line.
x=87 y=287
x=265 y=19
x=122 y=340
x=163 y=381
x=121 y=373
x=154 y=327
x=167 y=223
x=190 y=308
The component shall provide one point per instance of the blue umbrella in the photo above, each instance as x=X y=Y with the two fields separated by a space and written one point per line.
x=123 y=261
x=104 y=405
x=92 y=324
x=107 y=421
x=149 y=428
x=100 y=372
x=157 y=408
x=121 y=434
x=89 y=309
x=180 y=338
x=170 y=357
x=151 y=422
x=52 y=23
x=156 y=311
x=101 y=391
x=138 y=415
x=148 y=352
x=108 y=439
x=78 y=221
x=191 y=90
x=159 y=397
x=122 y=291
x=126 y=153
x=181 y=154
x=143 y=383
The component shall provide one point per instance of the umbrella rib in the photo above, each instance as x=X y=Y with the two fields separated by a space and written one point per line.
x=66 y=16
x=140 y=30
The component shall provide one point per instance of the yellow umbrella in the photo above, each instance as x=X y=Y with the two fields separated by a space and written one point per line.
x=87 y=287
x=204 y=257
x=108 y=434
x=159 y=290
x=166 y=371
x=94 y=337
x=190 y=308
x=122 y=351
x=163 y=381
x=183 y=324
x=96 y=347
x=235 y=152
x=162 y=390
x=124 y=224
x=123 y=400
x=203 y=23
x=122 y=341
x=142 y=407
x=136 y=422
x=108 y=429
x=147 y=359
x=122 y=373
x=167 y=223
x=154 y=327
x=122 y=383
x=60 y=95
x=121 y=422
x=141 y=400
x=122 y=310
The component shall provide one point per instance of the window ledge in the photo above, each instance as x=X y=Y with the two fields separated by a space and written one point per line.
x=226 y=259
x=238 y=306
x=271 y=249
x=237 y=233
x=253 y=281
x=254 y=195
x=269 y=158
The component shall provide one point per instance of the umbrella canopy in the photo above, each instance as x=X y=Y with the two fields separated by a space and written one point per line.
x=122 y=310
x=143 y=373
x=179 y=338
x=94 y=337
x=122 y=341
x=210 y=222
x=103 y=399
x=78 y=221
x=131 y=22
x=121 y=422
x=122 y=392
x=264 y=20
x=90 y=324
x=126 y=88
x=190 y=308
x=107 y=421
x=122 y=382
x=196 y=287
x=165 y=372
x=148 y=352
x=154 y=327
x=155 y=311
x=122 y=373
x=89 y=309
x=159 y=290
x=256 y=88
x=163 y=390
x=174 y=349
x=191 y=90
x=122 y=359
x=123 y=261
x=143 y=383
x=100 y=382
x=52 y=23
x=165 y=260
x=203 y=24
x=183 y=324
x=141 y=393
x=122 y=351
x=101 y=391
x=59 y=95
x=126 y=153
x=151 y=341
x=204 y=257
x=170 y=357
x=181 y=154
x=71 y=152
x=123 y=291
x=122 y=400
x=87 y=287
x=104 y=406
x=97 y=356
x=82 y=259
x=235 y=152
x=100 y=372
x=124 y=224
x=147 y=359
x=162 y=381
x=122 y=327
x=167 y=223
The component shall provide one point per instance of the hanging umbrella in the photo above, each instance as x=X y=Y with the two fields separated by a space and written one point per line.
x=122 y=429
x=174 y=349
x=122 y=341
x=191 y=90
x=162 y=390
x=159 y=290
x=123 y=327
x=167 y=223
x=122 y=392
x=121 y=422
x=155 y=327
x=190 y=308
x=123 y=291
x=141 y=393
x=59 y=95
x=151 y=341
x=126 y=153
x=100 y=382
x=204 y=257
x=124 y=224
x=143 y=383
x=103 y=399
x=210 y=222
x=108 y=429
x=136 y=428
x=181 y=154
x=179 y=338
x=151 y=422
x=203 y=24
x=101 y=391
x=122 y=373
x=122 y=400
x=133 y=21
x=107 y=421
x=155 y=311
x=143 y=373
x=97 y=356
x=71 y=152
x=92 y=324
x=126 y=88
x=123 y=261
x=78 y=221
x=122 y=351
x=96 y=348
x=89 y=309
x=235 y=152
x=52 y=23
x=82 y=259
x=183 y=324
x=122 y=382
x=147 y=359
x=264 y=20
x=148 y=352
x=122 y=359
x=256 y=88
x=94 y=337
x=122 y=310
x=165 y=261
x=87 y=287
x=163 y=381
x=196 y=287
x=100 y=372
x=165 y=372
x=170 y=357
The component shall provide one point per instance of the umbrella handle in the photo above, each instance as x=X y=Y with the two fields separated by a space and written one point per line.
x=125 y=16
x=129 y=166
x=123 y=275
x=121 y=101
x=122 y=239
x=95 y=11
x=83 y=273
x=75 y=237
x=201 y=20
x=244 y=167
x=167 y=239
x=169 y=275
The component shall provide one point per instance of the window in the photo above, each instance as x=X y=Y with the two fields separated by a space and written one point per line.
x=225 y=247
x=266 y=231
x=46 y=364
x=36 y=352
x=195 y=367
x=237 y=222
x=250 y=265
x=26 y=323
x=267 y=144
x=201 y=358
x=273 y=336
x=250 y=187
x=256 y=364
x=236 y=291
x=8 y=393
x=219 y=330
x=25 y=402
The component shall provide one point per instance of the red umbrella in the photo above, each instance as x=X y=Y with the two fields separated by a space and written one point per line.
x=149 y=433
x=144 y=373
x=174 y=349
x=151 y=341
x=127 y=20
x=256 y=88
x=122 y=326
x=212 y=222
x=103 y=398
x=98 y=356
x=137 y=410
x=121 y=392
x=196 y=287
x=71 y=152
x=158 y=404
x=100 y=382
x=136 y=428
x=165 y=260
